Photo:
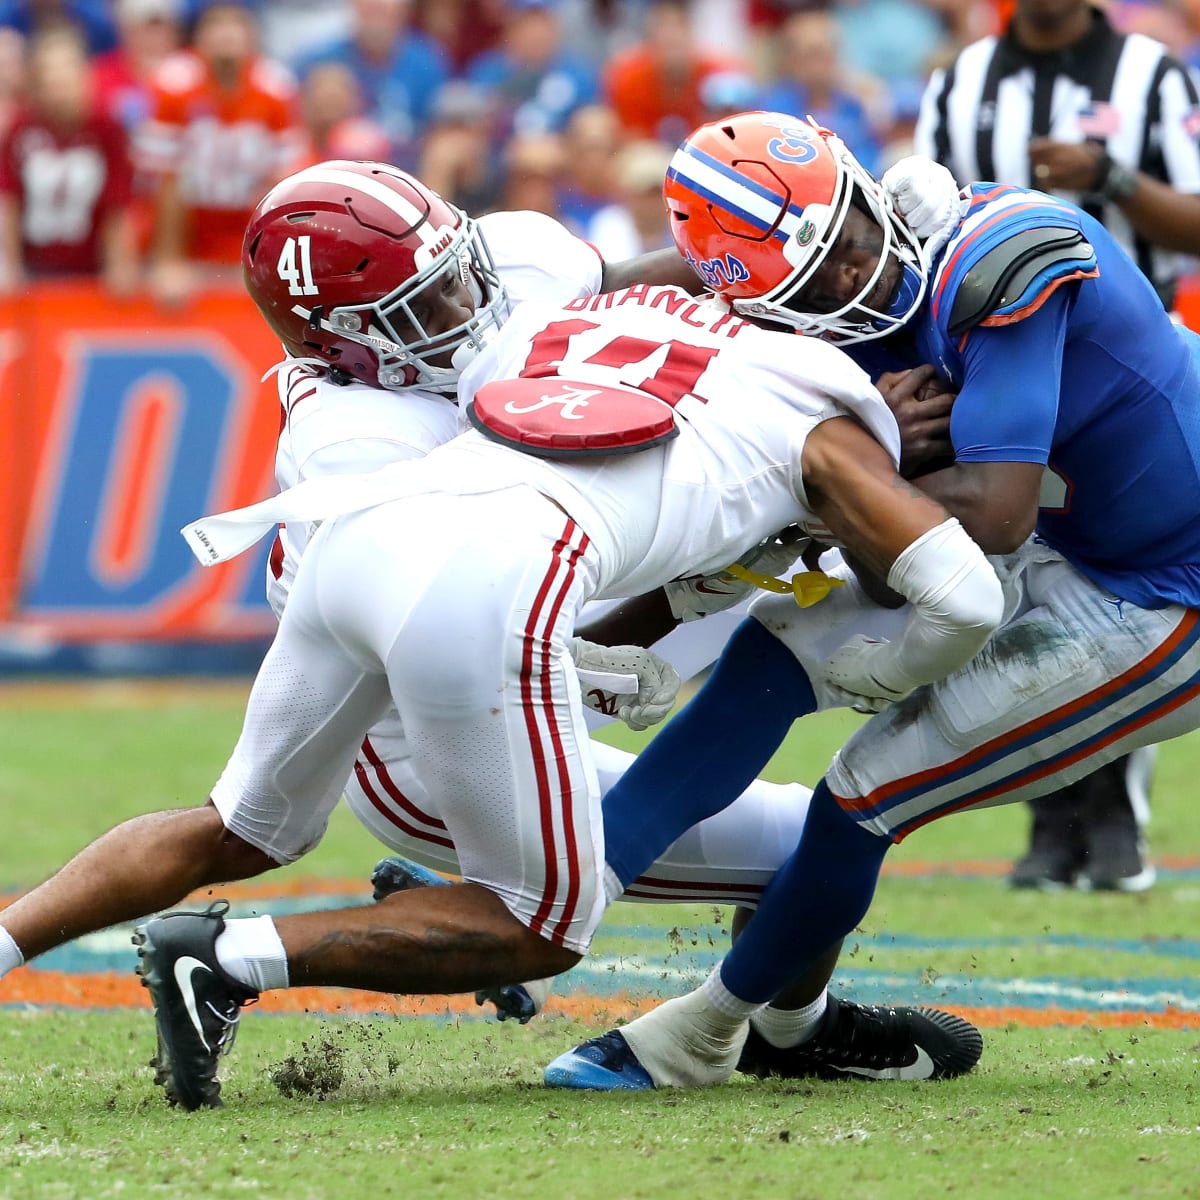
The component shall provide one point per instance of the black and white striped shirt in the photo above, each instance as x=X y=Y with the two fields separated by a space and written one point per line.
x=1121 y=90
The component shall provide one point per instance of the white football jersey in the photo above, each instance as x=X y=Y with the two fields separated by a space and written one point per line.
x=332 y=429
x=745 y=400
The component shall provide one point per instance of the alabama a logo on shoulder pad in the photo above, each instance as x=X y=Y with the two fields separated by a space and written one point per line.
x=555 y=418
x=570 y=400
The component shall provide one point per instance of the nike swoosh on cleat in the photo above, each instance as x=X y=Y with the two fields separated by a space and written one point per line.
x=921 y=1068
x=185 y=967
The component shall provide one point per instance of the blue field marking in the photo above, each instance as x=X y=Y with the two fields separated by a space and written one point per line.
x=1160 y=948
x=661 y=964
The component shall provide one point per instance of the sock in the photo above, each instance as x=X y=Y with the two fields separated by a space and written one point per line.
x=693 y=1040
x=250 y=951
x=708 y=754
x=10 y=953
x=784 y=1027
x=817 y=896
x=729 y=1010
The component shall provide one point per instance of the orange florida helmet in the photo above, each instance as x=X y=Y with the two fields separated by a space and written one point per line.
x=756 y=203
x=335 y=256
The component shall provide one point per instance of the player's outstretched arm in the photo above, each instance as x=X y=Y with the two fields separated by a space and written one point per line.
x=659 y=268
x=995 y=501
x=922 y=552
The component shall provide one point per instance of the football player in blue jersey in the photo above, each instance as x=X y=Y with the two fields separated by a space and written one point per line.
x=1076 y=432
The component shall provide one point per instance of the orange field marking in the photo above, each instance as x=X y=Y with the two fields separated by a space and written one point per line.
x=110 y=989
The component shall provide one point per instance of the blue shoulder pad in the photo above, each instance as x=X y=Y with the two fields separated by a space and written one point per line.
x=1012 y=251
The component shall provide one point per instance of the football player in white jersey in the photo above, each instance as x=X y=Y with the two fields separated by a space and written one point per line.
x=753 y=430
x=359 y=390
x=473 y=649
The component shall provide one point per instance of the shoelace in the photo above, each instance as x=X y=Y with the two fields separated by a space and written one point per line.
x=229 y=1019
x=229 y=1025
x=885 y=1040
x=614 y=1049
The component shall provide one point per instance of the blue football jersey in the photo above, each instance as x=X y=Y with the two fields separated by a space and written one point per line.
x=1082 y=370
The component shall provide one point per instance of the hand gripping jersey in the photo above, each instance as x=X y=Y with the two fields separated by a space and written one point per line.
x=1064 y=356
x=337 y=430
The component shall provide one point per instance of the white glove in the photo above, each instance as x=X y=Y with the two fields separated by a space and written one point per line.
x=926 y=197
x=625 y=681
x=852 y=673
x=699 y=595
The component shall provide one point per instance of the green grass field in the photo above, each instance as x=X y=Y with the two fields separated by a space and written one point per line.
x=331 y=1107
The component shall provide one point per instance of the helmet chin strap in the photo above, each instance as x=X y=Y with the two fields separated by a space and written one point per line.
x=464 y=355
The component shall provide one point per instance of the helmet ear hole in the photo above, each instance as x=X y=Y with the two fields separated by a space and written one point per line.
x=252 y=249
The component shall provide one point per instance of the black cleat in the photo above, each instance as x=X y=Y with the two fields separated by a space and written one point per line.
x=869 y=1042
x=601 y=1064
x=1049 y=869
x=1056 y=844
x=1115 y=858
x=1116 y=862
x=196 y=1004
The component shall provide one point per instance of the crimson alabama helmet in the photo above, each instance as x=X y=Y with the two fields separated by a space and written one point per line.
x=334 y=254
x=756 y=203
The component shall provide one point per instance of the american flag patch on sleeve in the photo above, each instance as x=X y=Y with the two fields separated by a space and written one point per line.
x=1099 y=120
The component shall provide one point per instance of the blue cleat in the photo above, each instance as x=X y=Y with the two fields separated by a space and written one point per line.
x=398 y=874
x=395 y=874
x=602 y=1064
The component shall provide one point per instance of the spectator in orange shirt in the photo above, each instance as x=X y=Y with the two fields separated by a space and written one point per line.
x=224 y=128
x=65 y=175
x=655 y=85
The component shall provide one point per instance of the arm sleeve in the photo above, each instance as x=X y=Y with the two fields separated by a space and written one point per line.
x=357 y=456
x=118 y=182
x=10 y=182
x=957 y=604
x=1008 y=403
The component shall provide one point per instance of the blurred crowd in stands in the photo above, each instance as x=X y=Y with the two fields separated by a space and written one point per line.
x=137 y=135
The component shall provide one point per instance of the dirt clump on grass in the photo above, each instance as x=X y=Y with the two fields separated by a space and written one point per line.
x=318 y=1070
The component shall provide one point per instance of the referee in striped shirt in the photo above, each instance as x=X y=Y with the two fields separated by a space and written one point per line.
x=1063 y=103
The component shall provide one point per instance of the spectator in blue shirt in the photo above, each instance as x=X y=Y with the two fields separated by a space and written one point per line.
x=93 y=17
x=813 y=82
x=399 y=69
x=538 y=85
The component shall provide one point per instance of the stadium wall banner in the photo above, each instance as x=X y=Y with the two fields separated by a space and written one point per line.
x=121 y=422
